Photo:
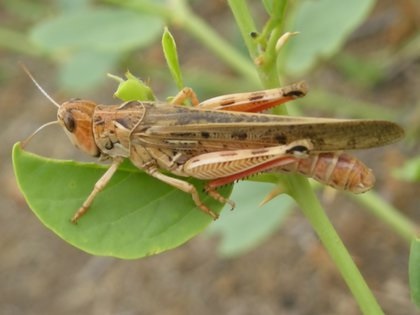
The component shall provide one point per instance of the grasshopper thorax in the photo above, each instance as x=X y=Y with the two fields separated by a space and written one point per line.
x=75 y=116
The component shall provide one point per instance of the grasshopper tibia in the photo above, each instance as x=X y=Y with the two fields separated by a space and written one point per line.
x=256 y=101
x=100 y=184
x=242 y=163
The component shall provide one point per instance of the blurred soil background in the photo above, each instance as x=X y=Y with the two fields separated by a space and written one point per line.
x=290 y=273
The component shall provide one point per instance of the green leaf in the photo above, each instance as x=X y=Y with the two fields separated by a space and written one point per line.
x=171 y=56
x=17 y=42
x=134 y=216
x=366 y=72
x=414 y=271
x=89 y=42
x=132 y=89
x=73 y=74
x=99 y=29
x=258 y=222
x=25 y=9
x=74 y=5
x=324 y=25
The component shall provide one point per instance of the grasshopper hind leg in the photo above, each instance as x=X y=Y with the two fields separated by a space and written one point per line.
x=188 y=188
x=216 y=196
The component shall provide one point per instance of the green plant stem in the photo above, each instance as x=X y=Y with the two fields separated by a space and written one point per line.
x=298 y=186
x=197 y=27
x=179 y=14
x=266 y=59
x=301 y=191
x=246 y=25
x=388 y=214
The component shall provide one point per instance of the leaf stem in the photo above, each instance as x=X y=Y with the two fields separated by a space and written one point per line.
x=298 y=186
x=388 y=214
x=246 y=25
x=301 y=191
x=197 y=27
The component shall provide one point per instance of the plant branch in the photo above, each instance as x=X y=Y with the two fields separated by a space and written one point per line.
x=297 y=186
x=179 y=14
x=301 y=191
x=388 y=214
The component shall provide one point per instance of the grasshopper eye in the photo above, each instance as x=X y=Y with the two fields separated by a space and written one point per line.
x=298 y=150
x=69 y=122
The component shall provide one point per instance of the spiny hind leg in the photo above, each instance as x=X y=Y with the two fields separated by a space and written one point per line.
x=212 y=192
x=257 y=101
x=185 y=187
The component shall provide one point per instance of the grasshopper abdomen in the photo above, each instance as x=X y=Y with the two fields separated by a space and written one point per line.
x=336 y=169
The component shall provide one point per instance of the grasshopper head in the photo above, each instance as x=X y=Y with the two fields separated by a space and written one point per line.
x=75 y=116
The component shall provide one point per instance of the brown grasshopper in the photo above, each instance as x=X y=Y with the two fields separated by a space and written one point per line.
x=220 y=140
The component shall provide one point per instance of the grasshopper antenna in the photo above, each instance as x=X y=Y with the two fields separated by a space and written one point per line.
x=38 y=85
x=26 y=141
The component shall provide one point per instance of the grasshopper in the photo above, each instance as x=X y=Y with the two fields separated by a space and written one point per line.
x=220 y=140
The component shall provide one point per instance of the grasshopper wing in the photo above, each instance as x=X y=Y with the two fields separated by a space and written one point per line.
x=183 y=128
